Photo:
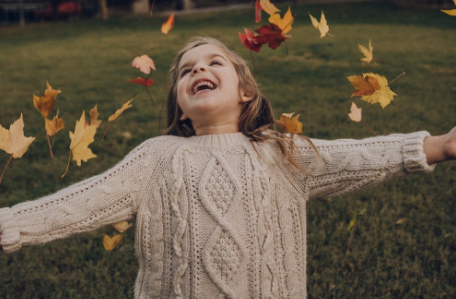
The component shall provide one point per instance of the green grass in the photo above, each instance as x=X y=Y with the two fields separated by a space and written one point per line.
x=90 y=62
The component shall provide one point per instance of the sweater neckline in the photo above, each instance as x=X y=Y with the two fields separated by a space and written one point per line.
x=218 y=141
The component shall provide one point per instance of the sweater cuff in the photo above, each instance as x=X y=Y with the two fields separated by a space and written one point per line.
x=10 y=239
x=413 y=153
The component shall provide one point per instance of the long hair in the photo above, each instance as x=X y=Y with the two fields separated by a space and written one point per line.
x=257 y=118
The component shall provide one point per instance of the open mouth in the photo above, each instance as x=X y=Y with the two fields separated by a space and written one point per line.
x=202 y=86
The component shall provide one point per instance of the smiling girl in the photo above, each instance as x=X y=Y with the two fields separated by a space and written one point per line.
x=220 y=201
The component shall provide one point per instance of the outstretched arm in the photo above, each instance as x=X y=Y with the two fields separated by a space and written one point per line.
x=440 y=148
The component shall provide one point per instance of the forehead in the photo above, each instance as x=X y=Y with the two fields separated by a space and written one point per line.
x=202 y=51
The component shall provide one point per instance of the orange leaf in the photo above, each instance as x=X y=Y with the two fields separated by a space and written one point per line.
x=55 y=125
x=144 y=63
x=355 y=113
x=290 y=124
x=122 y=226
x=122 y=109
x=109 y=243
x=166 y=27
x=268 y=7
x=94 y=117
x=372 y=88
x=45 y=103
x=141 y=81
x=13 y=141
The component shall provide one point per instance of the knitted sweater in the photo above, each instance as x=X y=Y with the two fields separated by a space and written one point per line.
x=215 y=216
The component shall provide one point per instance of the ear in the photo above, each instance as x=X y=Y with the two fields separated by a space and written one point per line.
x=183 y=117
x=245 y=97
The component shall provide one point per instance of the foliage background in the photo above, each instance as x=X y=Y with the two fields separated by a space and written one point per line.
x=90 y=62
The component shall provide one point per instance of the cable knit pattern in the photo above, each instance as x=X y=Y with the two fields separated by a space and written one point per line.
x=215 y=217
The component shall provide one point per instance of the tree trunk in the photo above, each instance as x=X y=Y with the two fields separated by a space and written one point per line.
x=104 y=12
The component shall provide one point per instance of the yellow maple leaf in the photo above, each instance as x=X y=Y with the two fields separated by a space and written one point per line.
x=290 y=124
x=81 y=138
x=122 y=226
x=285 y=23
x=94 y=117
x=372 y=88
x=122 y=109
x=45 y=103
x=268 y=7
x=109 y=243
x=451 y=12
x=366 y=52
x=13 y=141
x=355 y=113
x=322 y=26
x=55 y=125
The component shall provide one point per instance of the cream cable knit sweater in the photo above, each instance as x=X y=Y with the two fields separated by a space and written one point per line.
x=215 y=218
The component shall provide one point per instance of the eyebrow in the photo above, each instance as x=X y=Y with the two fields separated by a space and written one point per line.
x=210 y=56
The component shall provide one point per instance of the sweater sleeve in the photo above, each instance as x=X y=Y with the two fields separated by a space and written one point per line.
x=349 y=165
x=103 y=199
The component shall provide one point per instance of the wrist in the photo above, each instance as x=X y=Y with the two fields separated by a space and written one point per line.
x=435 y=148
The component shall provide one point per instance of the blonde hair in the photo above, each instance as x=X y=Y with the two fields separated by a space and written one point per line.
x=257 y=116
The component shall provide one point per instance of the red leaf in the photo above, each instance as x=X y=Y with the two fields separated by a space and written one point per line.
x=270 y=34
x=249 y=40
x=141 y=81
x=257 y=12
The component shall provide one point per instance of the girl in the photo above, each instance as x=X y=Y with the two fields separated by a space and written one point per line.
x=220 y=201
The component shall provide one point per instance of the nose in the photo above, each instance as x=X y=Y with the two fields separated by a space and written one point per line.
x=197 y=69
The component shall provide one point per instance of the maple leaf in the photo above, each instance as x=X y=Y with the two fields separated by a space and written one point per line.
x=372 y=88
x=109 y=243
x=268 y=7
x=367 y=52
x=50 y=92
x=13 y=141
x=270 y=34
x=248 y=39
x=285 y=23
x=141 y=81
x=168 y=25
x=122 y=109
x=55 y=125
x=290 y=124
x=257 y=12
x=45 y=103
x=144 y=63
x=451 y=12
x=94 y=117
x=122 y=226
x=322 y=26
x=355 y=113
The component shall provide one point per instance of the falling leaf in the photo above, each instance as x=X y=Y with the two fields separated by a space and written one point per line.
x=13 y=141
x=122 y=109
x=257 y=12
x=451 y=12
x=322 y=26
x=248 y=39
x=80 y=140
x=285 y=23
x=355 y=218
x=50 y=92
x=141 y=81
x=355 y=113
x=45 y=103
x=54 y=126
x=290 y=124
x=166 y=27
x=109 y=243
x=122 y=226
x=144 y=63
x=366 y=52
x=268 y=7
x=372 y=88
x=271 y=35
x=94 y=117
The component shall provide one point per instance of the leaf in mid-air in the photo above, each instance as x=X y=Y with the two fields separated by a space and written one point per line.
x=141 y=81
x=372 y=88
x=257 y=11
x=248 y=39
x=55 y=125
x=13 y=141
x=290 y=124
x=168 y=25
x=322 y=26
x=144 y=63
x=122 y=226
x=122 y=109
x=355 y=113
x=366 y=52
x=94 y=121
x=451 y=12
x=271 y=35
x=81 y=138
x=268 y=7
x=285 y=23
x=45 y=103
x=109 y=243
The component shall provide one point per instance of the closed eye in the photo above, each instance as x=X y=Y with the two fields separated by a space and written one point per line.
x=215 y=62
x=184 y=72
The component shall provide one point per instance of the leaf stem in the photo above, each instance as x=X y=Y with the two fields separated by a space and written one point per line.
x=1 y=177
x=349 y=241
x=403 y=73
x=50 y=146
x=68 y=165
x=104 y=134
x=368 y=127
x=150 y=95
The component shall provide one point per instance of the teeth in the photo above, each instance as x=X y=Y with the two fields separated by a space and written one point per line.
x=205 y=83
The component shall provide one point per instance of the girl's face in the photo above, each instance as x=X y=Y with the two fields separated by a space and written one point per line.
x=208 y=90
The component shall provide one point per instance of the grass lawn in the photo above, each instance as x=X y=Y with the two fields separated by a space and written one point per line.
x=403 y=247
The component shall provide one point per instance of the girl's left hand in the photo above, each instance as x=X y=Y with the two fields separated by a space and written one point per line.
x=440 y=148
